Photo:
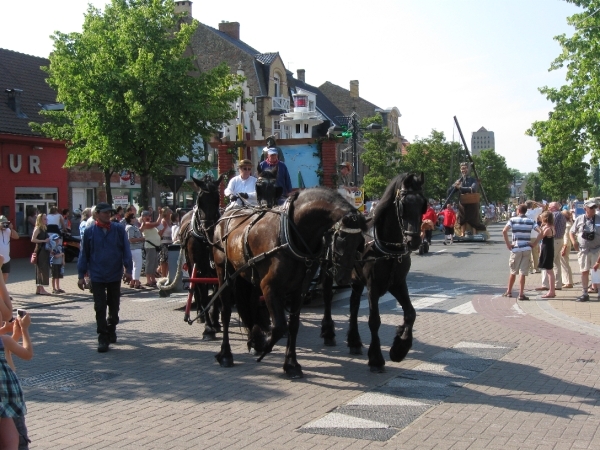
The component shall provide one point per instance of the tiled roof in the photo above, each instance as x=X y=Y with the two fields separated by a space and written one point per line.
x=239 y=44
x=324 y=105
x=266 y=58
x=21 y=71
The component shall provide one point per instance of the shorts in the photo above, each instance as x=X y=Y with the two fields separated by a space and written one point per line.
x=56 y=269
x=587 y=260
x=519 y=262
x=163 y=255
x=449 y=231
x=6 y=267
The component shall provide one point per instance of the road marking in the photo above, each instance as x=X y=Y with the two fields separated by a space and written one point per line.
x=382 y=413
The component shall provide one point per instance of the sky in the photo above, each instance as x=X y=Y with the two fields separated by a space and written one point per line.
x=479 y=60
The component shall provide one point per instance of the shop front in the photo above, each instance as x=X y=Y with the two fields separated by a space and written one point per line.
x=33 y=182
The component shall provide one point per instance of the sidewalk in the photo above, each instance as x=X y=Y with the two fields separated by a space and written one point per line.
x=564 y=303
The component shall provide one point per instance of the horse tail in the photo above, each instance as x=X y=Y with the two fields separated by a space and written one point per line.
x=162 y=284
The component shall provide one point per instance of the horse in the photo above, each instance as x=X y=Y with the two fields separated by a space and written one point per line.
x=384 y=265
x=279 y=250
x=196 y=236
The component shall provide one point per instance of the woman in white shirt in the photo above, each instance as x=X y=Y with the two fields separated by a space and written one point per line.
x=56 y=222
x=243 y=185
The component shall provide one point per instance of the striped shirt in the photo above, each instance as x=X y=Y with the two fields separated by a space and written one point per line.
x=521 y=227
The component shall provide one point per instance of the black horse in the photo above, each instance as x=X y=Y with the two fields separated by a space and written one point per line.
x=384 y=267
x=196 y=234
x=279 y=250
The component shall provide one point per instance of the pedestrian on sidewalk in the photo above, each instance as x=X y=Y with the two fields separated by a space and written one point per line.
x=546 y=261
x=585 y=237
x=40 y=238
x=57 y=263
x=534 y=209
x=560 y=226
x=104 y=252
x=565 y=251
x=8 y=232
x=520 y=249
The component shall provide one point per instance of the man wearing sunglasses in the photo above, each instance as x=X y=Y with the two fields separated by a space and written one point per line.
x=585 y=237
x=242 y=185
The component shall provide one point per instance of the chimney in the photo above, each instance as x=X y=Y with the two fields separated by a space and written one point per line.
x=301 y=73
x=184 y=7
x=354 y=88
x=231 y=29
x=14 y=102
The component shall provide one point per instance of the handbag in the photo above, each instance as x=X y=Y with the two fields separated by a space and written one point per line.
x=34 y=258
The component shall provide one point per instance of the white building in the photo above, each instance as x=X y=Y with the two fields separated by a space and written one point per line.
x=482 y=139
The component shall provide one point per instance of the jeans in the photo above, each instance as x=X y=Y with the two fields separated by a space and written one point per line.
x=106 y=295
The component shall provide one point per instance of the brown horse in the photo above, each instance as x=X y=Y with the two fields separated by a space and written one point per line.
x=280 y=251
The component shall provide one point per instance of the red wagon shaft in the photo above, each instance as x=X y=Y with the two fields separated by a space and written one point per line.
x=193 y=280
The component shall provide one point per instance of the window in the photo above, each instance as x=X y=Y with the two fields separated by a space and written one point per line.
x=297 y=128
x=276 y=86
x=29 y=202
x=305 y=128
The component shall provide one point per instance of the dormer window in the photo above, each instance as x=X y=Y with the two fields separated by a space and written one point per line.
x=276 y=86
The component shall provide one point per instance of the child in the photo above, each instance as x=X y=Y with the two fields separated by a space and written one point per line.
x=57 y=264
x=449 y=221
x=13 y=433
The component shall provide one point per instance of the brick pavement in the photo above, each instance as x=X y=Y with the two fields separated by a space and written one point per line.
x=159 y=387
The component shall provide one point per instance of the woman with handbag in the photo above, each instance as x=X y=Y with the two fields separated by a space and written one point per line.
x=42 y=264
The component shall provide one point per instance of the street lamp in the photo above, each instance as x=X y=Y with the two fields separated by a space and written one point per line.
x=351 y=129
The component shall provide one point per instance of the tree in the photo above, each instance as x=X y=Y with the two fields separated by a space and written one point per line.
x=437 y=159
x=381 y=156
x=132 y=99
x=572 y=130
x=495 y=177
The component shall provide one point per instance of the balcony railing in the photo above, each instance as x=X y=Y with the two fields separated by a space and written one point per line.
x=281 y=103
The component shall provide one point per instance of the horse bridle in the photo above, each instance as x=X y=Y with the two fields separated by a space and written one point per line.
x=383 y=247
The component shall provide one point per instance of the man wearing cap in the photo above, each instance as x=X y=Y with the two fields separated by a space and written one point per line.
x=242 y=185
x=104 y=252
x=8 y=233
x=283 y=175
x=585 y=237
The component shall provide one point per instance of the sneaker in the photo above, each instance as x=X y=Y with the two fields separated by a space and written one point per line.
x=583 y=298
x=102 y=347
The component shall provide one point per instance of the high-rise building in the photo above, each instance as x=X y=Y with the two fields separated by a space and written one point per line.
x=482 y=139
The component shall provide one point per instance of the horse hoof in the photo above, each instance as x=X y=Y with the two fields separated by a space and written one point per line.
x=398 y=354
x=377 y=369
x=294 y=373
x=224 y=361
x=356 y=350
x=209 y=337
x=329 y=342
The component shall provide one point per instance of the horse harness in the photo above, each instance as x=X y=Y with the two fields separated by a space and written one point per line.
x=394 y=250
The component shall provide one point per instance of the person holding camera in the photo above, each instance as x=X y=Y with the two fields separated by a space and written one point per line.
x=8 y=233
x=585 y=237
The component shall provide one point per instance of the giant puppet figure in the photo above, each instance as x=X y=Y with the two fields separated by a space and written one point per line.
x=468 y=208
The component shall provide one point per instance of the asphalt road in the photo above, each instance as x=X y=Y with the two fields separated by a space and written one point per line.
x=483 y=372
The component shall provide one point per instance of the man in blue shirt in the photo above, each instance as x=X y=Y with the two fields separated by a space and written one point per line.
x=104 y=252
x=283 y=175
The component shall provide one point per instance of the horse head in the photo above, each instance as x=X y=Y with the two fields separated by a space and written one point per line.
x=411 y=205
x=209 y=198
x=348 y=243
x=267 y=192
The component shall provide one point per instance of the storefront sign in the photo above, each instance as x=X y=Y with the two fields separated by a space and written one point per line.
x=120 y=200
x=15 y=163
x=198 y=174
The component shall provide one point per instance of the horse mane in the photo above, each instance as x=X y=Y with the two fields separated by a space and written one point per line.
x=388 y=197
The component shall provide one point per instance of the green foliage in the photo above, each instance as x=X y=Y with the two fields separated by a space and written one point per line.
x=437 y=159
x=495 y=177
x=572 y=130
x=132 y=99
x=381 y=156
